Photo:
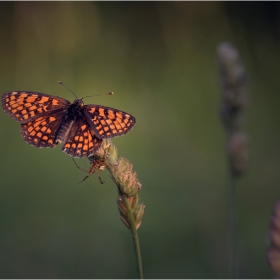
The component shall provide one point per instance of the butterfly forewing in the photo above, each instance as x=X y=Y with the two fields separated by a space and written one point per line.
x=25 y=106
x=108 y=122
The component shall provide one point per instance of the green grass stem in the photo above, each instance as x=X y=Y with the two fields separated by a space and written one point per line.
x=232 y=227
x=134 y=236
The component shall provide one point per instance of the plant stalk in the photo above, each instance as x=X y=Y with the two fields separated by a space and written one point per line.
x=135 y=237
x=232 y=228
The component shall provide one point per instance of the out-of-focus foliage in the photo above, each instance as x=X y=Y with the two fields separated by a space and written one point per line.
x=160 y=60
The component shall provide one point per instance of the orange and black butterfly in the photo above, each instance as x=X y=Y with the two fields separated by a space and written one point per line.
x=47 y=120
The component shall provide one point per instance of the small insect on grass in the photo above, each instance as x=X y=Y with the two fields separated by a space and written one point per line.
x=96 y=165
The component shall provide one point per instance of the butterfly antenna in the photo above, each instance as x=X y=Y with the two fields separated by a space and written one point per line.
x=108 y=93
x=68 y=88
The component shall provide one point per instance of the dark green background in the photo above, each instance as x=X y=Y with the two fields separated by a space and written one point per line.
x=160 y=60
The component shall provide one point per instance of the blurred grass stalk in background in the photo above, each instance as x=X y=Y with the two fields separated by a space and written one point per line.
x=122 y=174
x=234 y=100
x=273 y=254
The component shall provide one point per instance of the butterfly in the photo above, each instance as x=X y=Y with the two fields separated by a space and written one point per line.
x=48 y=120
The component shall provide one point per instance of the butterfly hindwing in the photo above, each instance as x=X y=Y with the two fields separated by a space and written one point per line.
x=81 y=141
x=42 y=131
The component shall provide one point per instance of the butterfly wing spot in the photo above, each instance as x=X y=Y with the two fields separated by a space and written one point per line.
x=101 y=112
x=91 y=110
x=43 y=99
x=126 y=121
x=55 y=102
x=25 y=117
x=87 y=134
x=111 y=114
x=12 y=97
x=27 y=105
x=32 y=98
x=119 y=115
x=32 y=114
x=32 y=108
x=37 y=122
x=67 y=146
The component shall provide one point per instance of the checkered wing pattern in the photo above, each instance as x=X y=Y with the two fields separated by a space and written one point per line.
x=24 y=106
x=47 y=120
x=81 y=141
x=42 y=131
x=108 y=122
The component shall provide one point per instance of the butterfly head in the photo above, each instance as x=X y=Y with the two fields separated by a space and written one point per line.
x=75 y=107
x=78 y=102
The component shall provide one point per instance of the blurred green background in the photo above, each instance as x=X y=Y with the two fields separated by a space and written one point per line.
x=160 y=60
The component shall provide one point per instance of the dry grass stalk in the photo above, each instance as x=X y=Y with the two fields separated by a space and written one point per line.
x=234 y=101
x=123 y=175
x=273 y=254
